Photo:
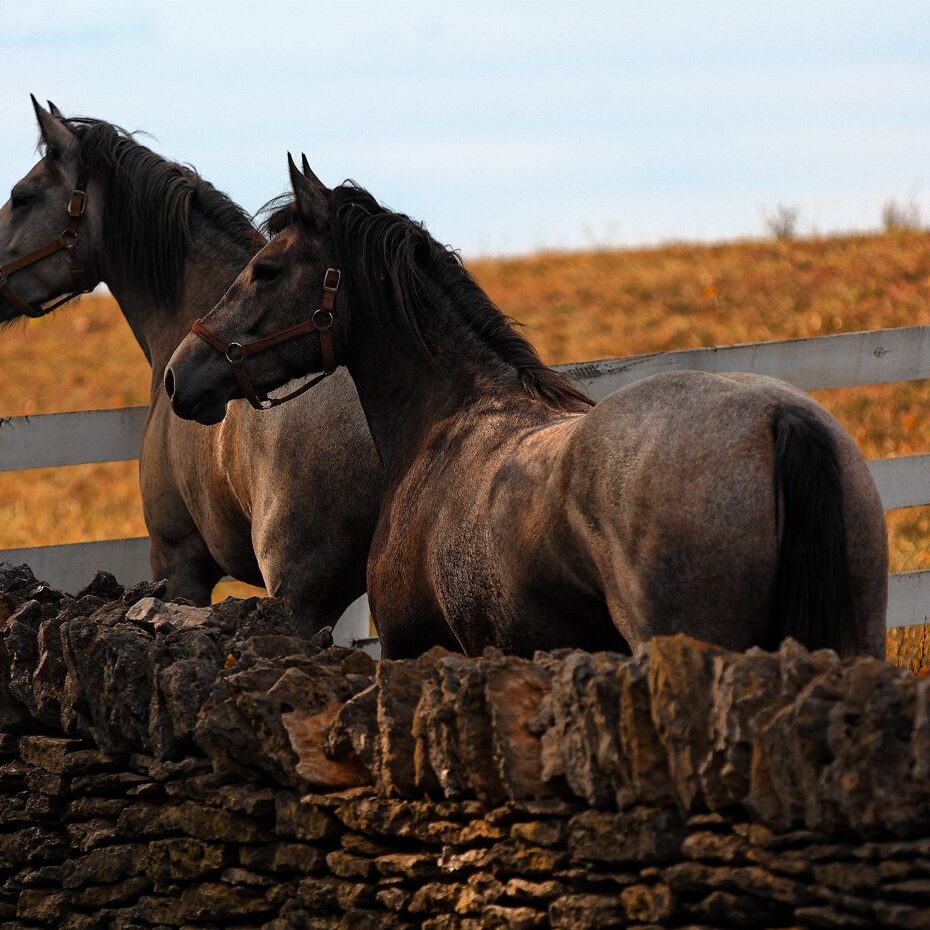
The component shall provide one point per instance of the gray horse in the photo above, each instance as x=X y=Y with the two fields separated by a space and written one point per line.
x=286 y=498
x=733 y=508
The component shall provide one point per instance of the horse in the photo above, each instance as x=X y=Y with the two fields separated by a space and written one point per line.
x=732 y=508
x=286 y=498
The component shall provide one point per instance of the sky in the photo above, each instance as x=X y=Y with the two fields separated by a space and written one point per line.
x=507 y=127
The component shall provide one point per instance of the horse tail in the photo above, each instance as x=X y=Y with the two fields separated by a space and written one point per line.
x=812 y=598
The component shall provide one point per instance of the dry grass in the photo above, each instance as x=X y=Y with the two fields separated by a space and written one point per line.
x=582 y=306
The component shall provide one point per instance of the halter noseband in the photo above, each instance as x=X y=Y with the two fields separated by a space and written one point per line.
x=236 y=352
x=67 y=241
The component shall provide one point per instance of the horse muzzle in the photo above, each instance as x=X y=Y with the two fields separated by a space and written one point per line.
x=192 y=399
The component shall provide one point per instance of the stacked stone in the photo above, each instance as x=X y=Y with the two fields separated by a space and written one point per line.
x=166 y=766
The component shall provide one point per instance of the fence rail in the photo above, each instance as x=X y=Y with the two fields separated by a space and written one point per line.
x=823 y=362
x=878 y=356
x=48 y=440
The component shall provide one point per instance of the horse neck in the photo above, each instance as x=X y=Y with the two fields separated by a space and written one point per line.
x=212 y=264
x=404 y=395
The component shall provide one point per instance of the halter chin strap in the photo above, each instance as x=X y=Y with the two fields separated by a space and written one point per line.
x=67 y=241
x=236 y=352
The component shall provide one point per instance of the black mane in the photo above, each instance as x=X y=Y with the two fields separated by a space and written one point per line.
x=147 y=223
x=389 y=251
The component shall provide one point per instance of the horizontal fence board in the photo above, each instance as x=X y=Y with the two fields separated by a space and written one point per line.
x=69 y=567
x=902 y=482
x=844 y=360
x=51 y=439
x=908 y=598
x=882 y=356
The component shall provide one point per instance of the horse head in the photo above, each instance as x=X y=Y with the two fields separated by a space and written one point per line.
x=263 y=333
x=49 y=226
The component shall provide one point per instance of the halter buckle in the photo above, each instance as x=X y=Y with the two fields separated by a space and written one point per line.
x=77 y=204
x=234 y=353
x=331 y=281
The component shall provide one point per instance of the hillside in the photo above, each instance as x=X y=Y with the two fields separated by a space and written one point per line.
x=575 y=306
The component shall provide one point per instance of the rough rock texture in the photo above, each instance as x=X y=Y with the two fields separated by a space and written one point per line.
x=166 y=766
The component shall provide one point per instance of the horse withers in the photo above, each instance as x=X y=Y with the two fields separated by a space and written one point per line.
x=729 y=507
x=286 y=498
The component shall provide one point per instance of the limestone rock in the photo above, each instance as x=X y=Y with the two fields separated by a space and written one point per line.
x=514 y=691
x=679 y=671
x=587 y=912
x=399 y=686
x=644 y=777
x=583 y=742
x=641 y=834
x=273 y=714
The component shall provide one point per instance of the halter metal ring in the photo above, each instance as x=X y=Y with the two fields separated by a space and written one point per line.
x=234 y=353
x=322 y=319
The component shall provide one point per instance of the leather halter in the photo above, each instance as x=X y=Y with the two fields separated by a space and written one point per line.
x=236 y=352
x=67 y=241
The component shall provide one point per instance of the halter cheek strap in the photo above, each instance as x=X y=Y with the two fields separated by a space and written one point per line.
x=236 y=352
x=67 y=241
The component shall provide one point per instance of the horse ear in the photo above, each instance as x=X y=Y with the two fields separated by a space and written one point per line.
x=312 y=202
x=54 y=110
x=310 y=176
x=55 y=133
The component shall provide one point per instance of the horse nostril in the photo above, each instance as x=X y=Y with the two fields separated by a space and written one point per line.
x=169 y=383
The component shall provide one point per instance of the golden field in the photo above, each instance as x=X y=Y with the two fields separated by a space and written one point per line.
x=575 y=306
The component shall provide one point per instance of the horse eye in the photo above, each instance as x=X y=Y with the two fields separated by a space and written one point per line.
x=266 y=271
x=18 y=201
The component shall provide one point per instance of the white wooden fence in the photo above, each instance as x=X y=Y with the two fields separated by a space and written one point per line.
x=847 y=360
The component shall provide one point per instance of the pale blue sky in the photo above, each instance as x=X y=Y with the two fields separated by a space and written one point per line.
x=507 y=126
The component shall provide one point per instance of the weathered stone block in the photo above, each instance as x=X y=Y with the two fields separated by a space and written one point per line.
x=398 y=687
x=184 y=858
x=641 y=834
x=514 y=691
x=648 y=903
x=283 y=858
x=125 y=892
x=345 y=865
x=107 y=864
x=302 y=819
x=680 y=674
x=644 y=776
x=540 y=832
x=413 y=866
x=587 y=912
x=33 y=846
x=582 y=743
x=64 y=756
x=498 y=917
x=42 y=906
x=216 y=901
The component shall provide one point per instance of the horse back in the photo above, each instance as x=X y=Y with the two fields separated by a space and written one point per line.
x=674 y=477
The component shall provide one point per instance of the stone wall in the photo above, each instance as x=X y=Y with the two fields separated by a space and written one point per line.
x=167 y=766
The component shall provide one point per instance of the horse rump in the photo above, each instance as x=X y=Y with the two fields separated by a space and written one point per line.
x=812 y=598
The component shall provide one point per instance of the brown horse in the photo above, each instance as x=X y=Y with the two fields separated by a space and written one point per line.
x=262 y=497
x=732 y=508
